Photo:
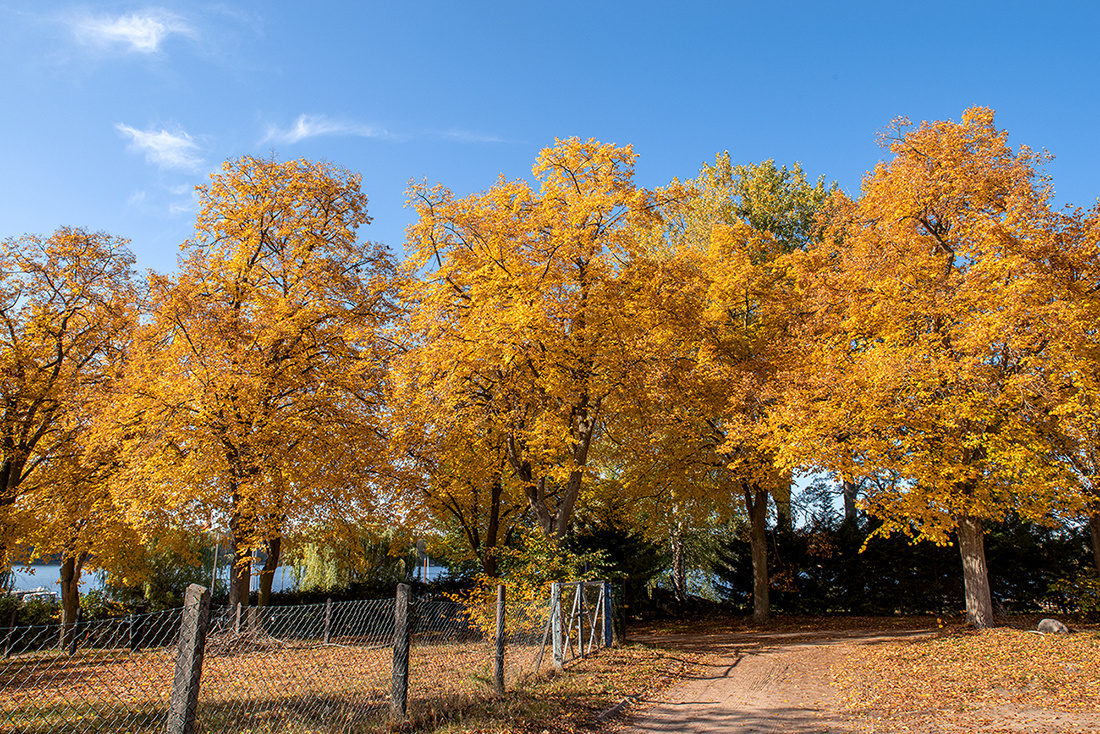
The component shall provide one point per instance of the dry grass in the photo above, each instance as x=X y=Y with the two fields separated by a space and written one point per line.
x=313 y=689
x=568 y=702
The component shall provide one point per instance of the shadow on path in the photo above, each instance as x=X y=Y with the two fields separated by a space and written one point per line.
x=758 y=682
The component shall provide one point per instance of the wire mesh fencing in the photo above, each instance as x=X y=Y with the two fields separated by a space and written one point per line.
x=333 y=667
x=306 y=668
x=110 y=675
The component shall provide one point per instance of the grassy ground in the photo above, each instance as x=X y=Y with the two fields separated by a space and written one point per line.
x=569 y=702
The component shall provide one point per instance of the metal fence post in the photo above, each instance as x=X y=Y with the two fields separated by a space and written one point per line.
x=328 y=621
x=498 y=667
x=582 y=609
x=399 y=692
x=555 y=623
x=608 y=618
x=195 y=618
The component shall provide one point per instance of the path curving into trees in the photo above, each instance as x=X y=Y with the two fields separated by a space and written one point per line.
x=758 y=682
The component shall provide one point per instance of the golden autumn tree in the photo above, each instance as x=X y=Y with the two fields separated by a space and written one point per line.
x=67 y=309
x=254 y=397
x=928 y=316
x=455 y=468
x=517 y=320
x=714 y=315
x=1072 y=357
x=72 y=515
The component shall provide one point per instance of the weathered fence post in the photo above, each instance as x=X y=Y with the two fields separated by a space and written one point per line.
x=194 y=621
x=555 y=623
x=328 y=621
x=608 y=618
x=237 y=620
x=498 y=667
x=399 y=692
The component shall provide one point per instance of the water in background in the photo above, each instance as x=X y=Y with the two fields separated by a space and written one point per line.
x=49 y=578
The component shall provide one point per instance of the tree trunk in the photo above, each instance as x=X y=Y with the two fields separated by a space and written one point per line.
x=782 y=496
x=267 y=575
x=679 y=565
x=554 y=520
x=1094 y=526
x=979 y=604
x=71 y=568
x=756 y=503
x=850 y=491
x=239 y=573
x=492 y=532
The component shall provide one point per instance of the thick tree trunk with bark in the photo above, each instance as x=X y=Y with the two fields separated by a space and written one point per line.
x=1094 y=527
x=241 y=570
x=267 y=575
x=850 y=491
x=756 y=503
x=979 y=604
x=71 y=568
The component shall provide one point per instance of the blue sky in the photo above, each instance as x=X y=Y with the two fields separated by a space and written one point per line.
x=113 y=112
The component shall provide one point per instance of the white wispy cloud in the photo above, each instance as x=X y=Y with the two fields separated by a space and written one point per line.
x=465 y=136
x=312 y=126
x=163 y=148
x=142 y=32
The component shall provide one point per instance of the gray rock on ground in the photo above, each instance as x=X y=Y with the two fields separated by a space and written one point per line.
x=1052 y=627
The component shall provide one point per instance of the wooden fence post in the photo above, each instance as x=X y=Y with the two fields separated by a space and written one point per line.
x=608 y=615
x=555 y=623
x=498 y=667
x=399 y=693
x=195 y=618
x=237 y=620
x=328 y=621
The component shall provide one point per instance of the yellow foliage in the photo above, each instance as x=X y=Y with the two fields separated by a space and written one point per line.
x=254 y=396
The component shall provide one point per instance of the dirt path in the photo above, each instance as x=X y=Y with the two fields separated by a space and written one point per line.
x=760 y=682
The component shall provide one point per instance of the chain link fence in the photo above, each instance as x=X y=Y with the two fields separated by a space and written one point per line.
x=333 y=667
x=111 y=675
